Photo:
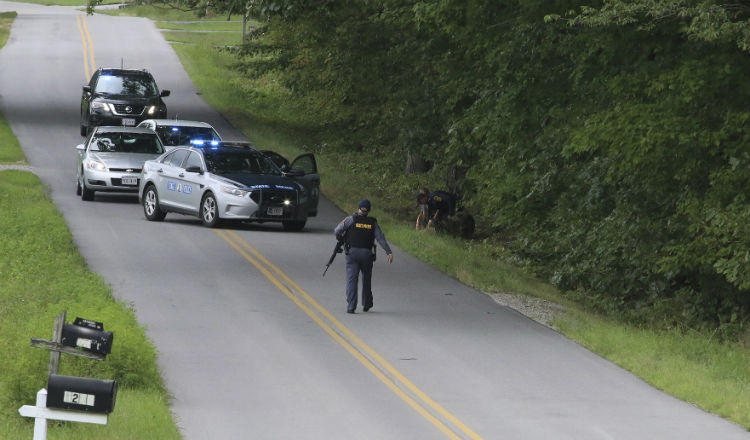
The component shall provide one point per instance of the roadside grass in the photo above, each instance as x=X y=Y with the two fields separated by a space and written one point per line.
x=10 y=150
x=41 y=275
x=693 y=367
x=6 y=19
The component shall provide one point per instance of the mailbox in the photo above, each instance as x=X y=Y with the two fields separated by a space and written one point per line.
x=81 y=393
x=88 y=335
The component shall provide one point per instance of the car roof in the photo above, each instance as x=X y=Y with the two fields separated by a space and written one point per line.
x=224 y=146
x=121 y=129
x=121 y=71
x=179 y=123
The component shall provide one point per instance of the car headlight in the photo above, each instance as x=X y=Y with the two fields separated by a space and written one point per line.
x=98 y=105
x=234 y=191
x=152 y=109
x=96 y=165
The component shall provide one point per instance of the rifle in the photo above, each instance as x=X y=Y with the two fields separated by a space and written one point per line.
x=336 y=250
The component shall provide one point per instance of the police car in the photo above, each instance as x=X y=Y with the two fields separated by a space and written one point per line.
x=229 y=181
x=175 y=132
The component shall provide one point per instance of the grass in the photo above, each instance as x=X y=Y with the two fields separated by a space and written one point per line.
x=41 y=275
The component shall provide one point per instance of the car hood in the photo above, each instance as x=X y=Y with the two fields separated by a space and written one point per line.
x=125 y=99
x=123 y=160
x=259 y=181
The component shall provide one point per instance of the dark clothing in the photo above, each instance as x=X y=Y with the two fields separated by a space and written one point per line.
x=360 y=233
x=358 y=260
x=343 y=227
x=440 y=204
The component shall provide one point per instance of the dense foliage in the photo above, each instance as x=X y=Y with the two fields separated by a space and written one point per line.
x=606 y=143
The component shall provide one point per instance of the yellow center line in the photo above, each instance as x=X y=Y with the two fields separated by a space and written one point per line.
x=259 y=261
x=88 y=46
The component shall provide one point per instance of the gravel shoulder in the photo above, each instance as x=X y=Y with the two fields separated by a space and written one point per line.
x=539 y=310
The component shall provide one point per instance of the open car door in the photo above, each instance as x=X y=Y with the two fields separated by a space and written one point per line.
x=304 y=170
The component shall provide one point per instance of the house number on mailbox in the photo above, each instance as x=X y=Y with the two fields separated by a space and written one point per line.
x=78 y=398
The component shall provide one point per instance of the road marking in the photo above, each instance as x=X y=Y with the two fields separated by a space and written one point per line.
x=88 y=47
x=351 y=342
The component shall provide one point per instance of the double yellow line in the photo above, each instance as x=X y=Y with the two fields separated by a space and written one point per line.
x=392 y=378
x=88 y=47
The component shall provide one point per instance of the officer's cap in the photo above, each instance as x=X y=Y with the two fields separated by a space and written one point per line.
x=364 y=203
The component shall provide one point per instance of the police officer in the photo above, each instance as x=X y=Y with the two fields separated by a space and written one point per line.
x=359 y=233
x=434 y=207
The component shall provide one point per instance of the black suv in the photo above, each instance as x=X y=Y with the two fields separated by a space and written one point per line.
x=120 y=97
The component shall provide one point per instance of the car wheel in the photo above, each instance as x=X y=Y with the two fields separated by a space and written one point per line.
x=84 y=130
x=86 y=194
x=78 y=186
x=209 y=211
x=294 y=225
x=151 y=208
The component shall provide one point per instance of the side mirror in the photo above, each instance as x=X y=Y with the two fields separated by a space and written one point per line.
x=164 y=93
x=87 y=89
x=81 y=147
x=194 y=169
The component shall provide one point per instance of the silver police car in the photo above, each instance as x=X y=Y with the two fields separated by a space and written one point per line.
x=230 y=181
x=111 y=158
x=176 y=132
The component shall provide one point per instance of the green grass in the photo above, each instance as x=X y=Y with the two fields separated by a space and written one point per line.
x=10 y=150
x=41 y=275
x=6 y=19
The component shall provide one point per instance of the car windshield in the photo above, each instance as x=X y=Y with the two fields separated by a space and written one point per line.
x=232 y=162
x=130 y=85
x=127 y=143
x=181 y=135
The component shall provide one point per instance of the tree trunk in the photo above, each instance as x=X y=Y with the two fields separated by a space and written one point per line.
x=415 y=163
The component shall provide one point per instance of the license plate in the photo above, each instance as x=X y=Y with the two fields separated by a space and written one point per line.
x=275 y=211
x=128 y=121
x=129 y=180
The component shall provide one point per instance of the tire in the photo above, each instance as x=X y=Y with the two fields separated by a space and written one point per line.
x=295 y=226
x=84 y=130
x=78 y=186
x=151 y=208
x=209 y=211
x=85 y=193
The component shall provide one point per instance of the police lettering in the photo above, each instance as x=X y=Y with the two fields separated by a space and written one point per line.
x=362 y=225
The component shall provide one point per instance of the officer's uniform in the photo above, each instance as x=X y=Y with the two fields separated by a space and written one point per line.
x=441 y=202
x=359 y=233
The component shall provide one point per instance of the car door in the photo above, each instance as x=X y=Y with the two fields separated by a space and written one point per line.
x=192 y=180
x=86 y=96
x=310 y=179
x=167 y=179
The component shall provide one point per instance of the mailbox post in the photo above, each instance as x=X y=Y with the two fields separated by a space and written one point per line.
x=41 y=414
x=70 y=398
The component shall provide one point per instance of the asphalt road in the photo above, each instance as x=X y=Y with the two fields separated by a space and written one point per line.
x=254 y=343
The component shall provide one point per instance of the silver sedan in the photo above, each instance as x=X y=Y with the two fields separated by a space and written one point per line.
x=111 y=159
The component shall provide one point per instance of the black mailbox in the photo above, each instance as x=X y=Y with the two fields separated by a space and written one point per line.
x=87 y=338
x=81 y=393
